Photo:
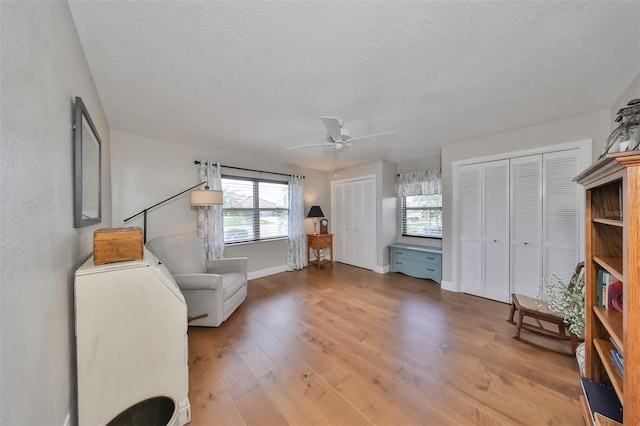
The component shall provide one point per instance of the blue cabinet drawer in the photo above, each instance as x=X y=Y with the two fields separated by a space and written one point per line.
x=417 y=261
x=417 y=256
x=417 y=269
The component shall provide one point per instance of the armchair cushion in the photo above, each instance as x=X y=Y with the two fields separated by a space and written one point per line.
x=199 y=281
x=214 y=287
x=231 y=283
x=229 y=264
x=182 y=254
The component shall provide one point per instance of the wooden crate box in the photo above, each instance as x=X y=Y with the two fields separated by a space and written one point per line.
x=117 y=245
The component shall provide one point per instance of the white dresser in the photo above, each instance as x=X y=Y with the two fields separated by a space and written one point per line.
x=131 y=339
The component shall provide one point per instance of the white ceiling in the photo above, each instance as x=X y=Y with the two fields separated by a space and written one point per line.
x=257 y=76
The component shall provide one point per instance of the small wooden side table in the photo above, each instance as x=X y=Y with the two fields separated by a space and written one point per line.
x=318 y=242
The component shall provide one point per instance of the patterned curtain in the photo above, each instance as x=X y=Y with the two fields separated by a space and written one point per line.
x=423 y=182
x=210 y=217
x=296 y=252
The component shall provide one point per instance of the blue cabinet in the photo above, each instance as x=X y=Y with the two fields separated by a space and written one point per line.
x=417 y=261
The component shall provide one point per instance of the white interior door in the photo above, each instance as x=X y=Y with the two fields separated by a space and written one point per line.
x=349 y=244
x=364 y=232
x=495 y=230
x=354 y=216
x=526 y=224
x=337 y=207
x=561 y=214
x=470 y=226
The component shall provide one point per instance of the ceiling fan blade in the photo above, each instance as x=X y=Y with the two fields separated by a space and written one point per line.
x=309 y=146
x=333 y=127
x=371 y=136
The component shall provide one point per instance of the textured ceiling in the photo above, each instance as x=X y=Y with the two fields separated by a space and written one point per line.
x=258 y=75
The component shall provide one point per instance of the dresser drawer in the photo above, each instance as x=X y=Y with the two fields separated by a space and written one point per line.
x=418 y=256
x=417 y=269
x=320 y=241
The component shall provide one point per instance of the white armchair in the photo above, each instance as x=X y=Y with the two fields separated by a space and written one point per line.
x=213 y=287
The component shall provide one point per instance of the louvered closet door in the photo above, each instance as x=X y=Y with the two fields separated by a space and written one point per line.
x=495 y=238
x=470 y=225
x=364 y=227
x=337 y=205
x=526 y=224
x=561 y=214
x=349 y=242
x=354 y=216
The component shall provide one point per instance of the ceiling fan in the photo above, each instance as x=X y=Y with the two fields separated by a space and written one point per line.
x=338 y=136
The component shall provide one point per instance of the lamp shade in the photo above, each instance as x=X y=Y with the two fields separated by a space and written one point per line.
x=206 y=197
x=315 y=211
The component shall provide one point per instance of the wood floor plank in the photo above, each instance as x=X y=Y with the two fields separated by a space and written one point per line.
x=390 y=405
x=258 y=409
x=237 y=375
x=208 y=393
x=300 y=393
x=341 y=345
x=312 y=351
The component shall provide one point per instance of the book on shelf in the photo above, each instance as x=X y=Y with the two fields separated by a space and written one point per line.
x=609 y=295
x=601 y=399
x=619 y=361
x=599 y=292
x=604 y=279
x=615 y=345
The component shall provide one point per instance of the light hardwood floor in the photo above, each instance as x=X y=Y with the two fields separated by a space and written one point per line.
x=346 y=346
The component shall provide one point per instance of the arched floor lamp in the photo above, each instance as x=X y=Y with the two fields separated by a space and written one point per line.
x=200 y=197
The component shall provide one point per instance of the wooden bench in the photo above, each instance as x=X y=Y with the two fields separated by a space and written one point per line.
x=539 y=310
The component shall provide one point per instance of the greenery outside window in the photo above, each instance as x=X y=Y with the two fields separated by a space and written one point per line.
x=254 y=209
x=422 y=216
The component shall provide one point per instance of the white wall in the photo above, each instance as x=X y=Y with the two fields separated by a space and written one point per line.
x=146 y=171
x=594 y=125
x=43 y=68
x=386 y=204
x=388 y=228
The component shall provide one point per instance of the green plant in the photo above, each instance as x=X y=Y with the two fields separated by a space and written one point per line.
x=567 y=300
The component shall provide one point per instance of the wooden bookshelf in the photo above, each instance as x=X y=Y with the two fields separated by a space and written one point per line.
x=612 y=322
x=610 y=222
x=603 y=348
x=613 y=244
x=613 y=265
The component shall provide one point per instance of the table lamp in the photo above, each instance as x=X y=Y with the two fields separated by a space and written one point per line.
x=315 y=212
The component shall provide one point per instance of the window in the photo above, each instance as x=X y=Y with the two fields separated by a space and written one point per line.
x=422 y=216
x=254 y=209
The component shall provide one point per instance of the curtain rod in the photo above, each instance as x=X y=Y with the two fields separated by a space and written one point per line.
x=248 y=170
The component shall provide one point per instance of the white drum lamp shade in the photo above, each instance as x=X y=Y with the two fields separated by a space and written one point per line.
x=206 y=197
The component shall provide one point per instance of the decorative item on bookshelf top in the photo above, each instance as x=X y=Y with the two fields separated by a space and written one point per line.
x=567 y=300
x=627 y=135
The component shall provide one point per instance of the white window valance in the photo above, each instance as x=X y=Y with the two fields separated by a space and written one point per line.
x=423 y=182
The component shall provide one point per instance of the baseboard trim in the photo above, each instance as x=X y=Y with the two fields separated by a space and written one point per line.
x=266 y=272
x=184 y=412
x=382 y=270
x=448 y=285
